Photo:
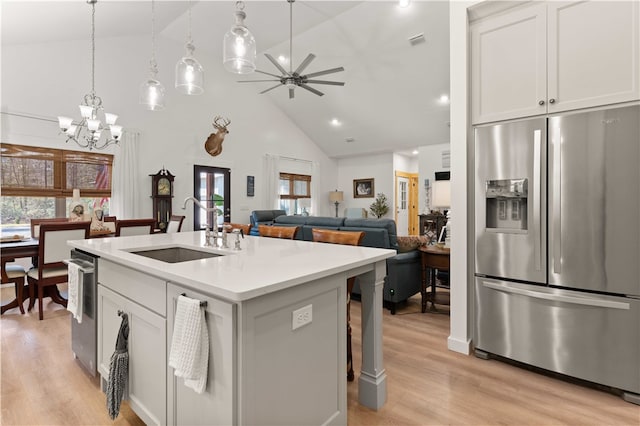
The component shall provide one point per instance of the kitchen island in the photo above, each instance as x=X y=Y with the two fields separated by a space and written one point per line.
x=276 y=319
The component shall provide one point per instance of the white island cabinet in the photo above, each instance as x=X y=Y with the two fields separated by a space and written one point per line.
x=276 y=318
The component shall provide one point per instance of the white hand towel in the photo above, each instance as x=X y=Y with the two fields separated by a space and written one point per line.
x=74 y=298
x=189 y=354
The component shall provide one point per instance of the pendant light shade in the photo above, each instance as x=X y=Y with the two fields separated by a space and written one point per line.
x=189 y=72
x=189 y=76
x=152 y=94
x=151 y=90
x=239 y=46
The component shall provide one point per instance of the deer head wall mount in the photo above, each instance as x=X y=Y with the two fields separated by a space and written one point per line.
x=213 y=145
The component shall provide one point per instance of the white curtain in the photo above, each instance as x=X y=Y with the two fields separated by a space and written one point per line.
x=315 y=188
x=124 y=185
x=273 y=181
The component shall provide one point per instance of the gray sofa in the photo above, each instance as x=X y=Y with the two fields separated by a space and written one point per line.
x=404 y=270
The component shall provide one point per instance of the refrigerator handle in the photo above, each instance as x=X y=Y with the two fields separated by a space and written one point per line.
x=537 y=238
x=556 y=210
x=576 y=300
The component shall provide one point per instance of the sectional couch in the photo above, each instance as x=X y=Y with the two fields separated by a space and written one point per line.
x=404 y=270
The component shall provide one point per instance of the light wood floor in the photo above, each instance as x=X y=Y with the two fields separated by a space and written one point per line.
x=41 y=384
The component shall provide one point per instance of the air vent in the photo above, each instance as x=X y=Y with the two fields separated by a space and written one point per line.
x=417 y=39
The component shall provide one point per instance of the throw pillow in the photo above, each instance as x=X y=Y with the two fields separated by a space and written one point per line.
x=409 y=243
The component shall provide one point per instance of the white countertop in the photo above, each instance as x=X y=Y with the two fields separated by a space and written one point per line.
x=264 y=265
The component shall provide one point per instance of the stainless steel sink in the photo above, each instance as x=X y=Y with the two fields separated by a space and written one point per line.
x=175 y=254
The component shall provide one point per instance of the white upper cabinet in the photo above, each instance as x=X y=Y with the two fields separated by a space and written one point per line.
x=554 y=56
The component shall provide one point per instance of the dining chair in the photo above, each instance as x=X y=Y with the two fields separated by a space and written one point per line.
x=52 y=250
x=128 y=227
x=353 y=238
x=175 y=224
x=110 y=223
x=35 y=224
x=244 y=228
x=15 y=274
x=287 y=232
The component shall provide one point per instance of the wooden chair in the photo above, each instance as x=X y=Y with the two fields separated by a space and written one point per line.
x=128 y=227
x=52 y=250
x=287 y=232
x=175 y=224
x=110 y=223
x=35 y=224
x=349 y=238
x=244 y=228
x=14 y=274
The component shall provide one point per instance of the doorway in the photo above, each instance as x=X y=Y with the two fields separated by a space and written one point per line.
x=406 y=201
x=211 y=185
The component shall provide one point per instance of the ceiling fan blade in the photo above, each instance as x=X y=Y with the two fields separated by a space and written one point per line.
x=311 y=89
x=254 y=81
x=334 y=83
x=332 y=70
x=310 y=57
x=270 y=88
x=268 y=73
x=274 y=62
x=291 y=93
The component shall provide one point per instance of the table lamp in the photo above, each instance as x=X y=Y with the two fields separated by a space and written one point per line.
x=304 y=204
x=336 y=197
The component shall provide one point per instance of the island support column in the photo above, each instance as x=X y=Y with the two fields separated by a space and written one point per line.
x=372 y=384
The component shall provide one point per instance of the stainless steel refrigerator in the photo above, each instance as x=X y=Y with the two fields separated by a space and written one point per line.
x=557 y=253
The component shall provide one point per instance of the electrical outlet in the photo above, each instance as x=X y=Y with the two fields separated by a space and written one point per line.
x=302 y=316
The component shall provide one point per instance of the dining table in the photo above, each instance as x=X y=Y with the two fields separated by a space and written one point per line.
x=17 y=247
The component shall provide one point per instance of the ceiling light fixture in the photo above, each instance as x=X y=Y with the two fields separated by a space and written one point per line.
x=189 y=72
x=90 y=128
x=444 y=99
x=239 y=45
x=152 y=91
x=403 y=3
x=335 y=122
x=291 y=78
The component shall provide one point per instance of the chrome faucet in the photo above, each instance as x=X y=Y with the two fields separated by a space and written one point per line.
x=209 y=234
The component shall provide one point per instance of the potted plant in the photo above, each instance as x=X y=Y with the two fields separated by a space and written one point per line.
x=379 y=207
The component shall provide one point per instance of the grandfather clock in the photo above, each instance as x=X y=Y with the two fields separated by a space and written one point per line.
x=161 y=194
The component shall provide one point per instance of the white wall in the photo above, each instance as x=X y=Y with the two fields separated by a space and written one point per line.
x=378 y=166
x=50 y=80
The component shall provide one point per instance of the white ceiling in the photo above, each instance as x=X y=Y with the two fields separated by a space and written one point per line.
x=390 y=102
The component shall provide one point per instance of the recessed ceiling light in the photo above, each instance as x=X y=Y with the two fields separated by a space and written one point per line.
x=283 y=59
x=444 y=99
x=403 y=3
x=335 y=122
x=415 y=152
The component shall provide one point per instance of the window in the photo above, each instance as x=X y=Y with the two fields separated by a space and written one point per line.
x=293 y=187
x=39 y=182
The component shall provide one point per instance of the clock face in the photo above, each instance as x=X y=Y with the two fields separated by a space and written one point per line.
x=164 y=186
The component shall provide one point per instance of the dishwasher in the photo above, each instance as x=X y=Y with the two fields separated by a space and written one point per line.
x=84 y=334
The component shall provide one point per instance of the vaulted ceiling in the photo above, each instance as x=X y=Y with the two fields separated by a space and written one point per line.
x=391 y=100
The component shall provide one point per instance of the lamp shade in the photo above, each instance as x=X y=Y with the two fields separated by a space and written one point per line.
x=442 y=193
x=336 y=196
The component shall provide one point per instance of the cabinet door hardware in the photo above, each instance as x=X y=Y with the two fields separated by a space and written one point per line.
x=202 y=302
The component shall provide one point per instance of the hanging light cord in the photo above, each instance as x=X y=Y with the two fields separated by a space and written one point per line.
x=91 y=99
x=290 y=36
x=190 y=47
x=154 y=65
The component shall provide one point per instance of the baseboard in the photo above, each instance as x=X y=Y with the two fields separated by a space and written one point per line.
x=462 y=346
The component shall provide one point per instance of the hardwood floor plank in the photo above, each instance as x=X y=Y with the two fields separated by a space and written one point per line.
x=41 y=383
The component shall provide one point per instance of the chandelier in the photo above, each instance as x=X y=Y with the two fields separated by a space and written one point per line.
x=90 y=132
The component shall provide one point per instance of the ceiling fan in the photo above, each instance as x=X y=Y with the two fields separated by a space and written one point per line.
x=293 y=78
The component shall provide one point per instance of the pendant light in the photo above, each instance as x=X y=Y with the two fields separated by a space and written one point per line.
x=239 y=46
x=152 y=91
x=189 y=72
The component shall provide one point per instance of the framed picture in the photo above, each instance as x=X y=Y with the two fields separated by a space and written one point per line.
x=363 y=188
x=251 y=184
